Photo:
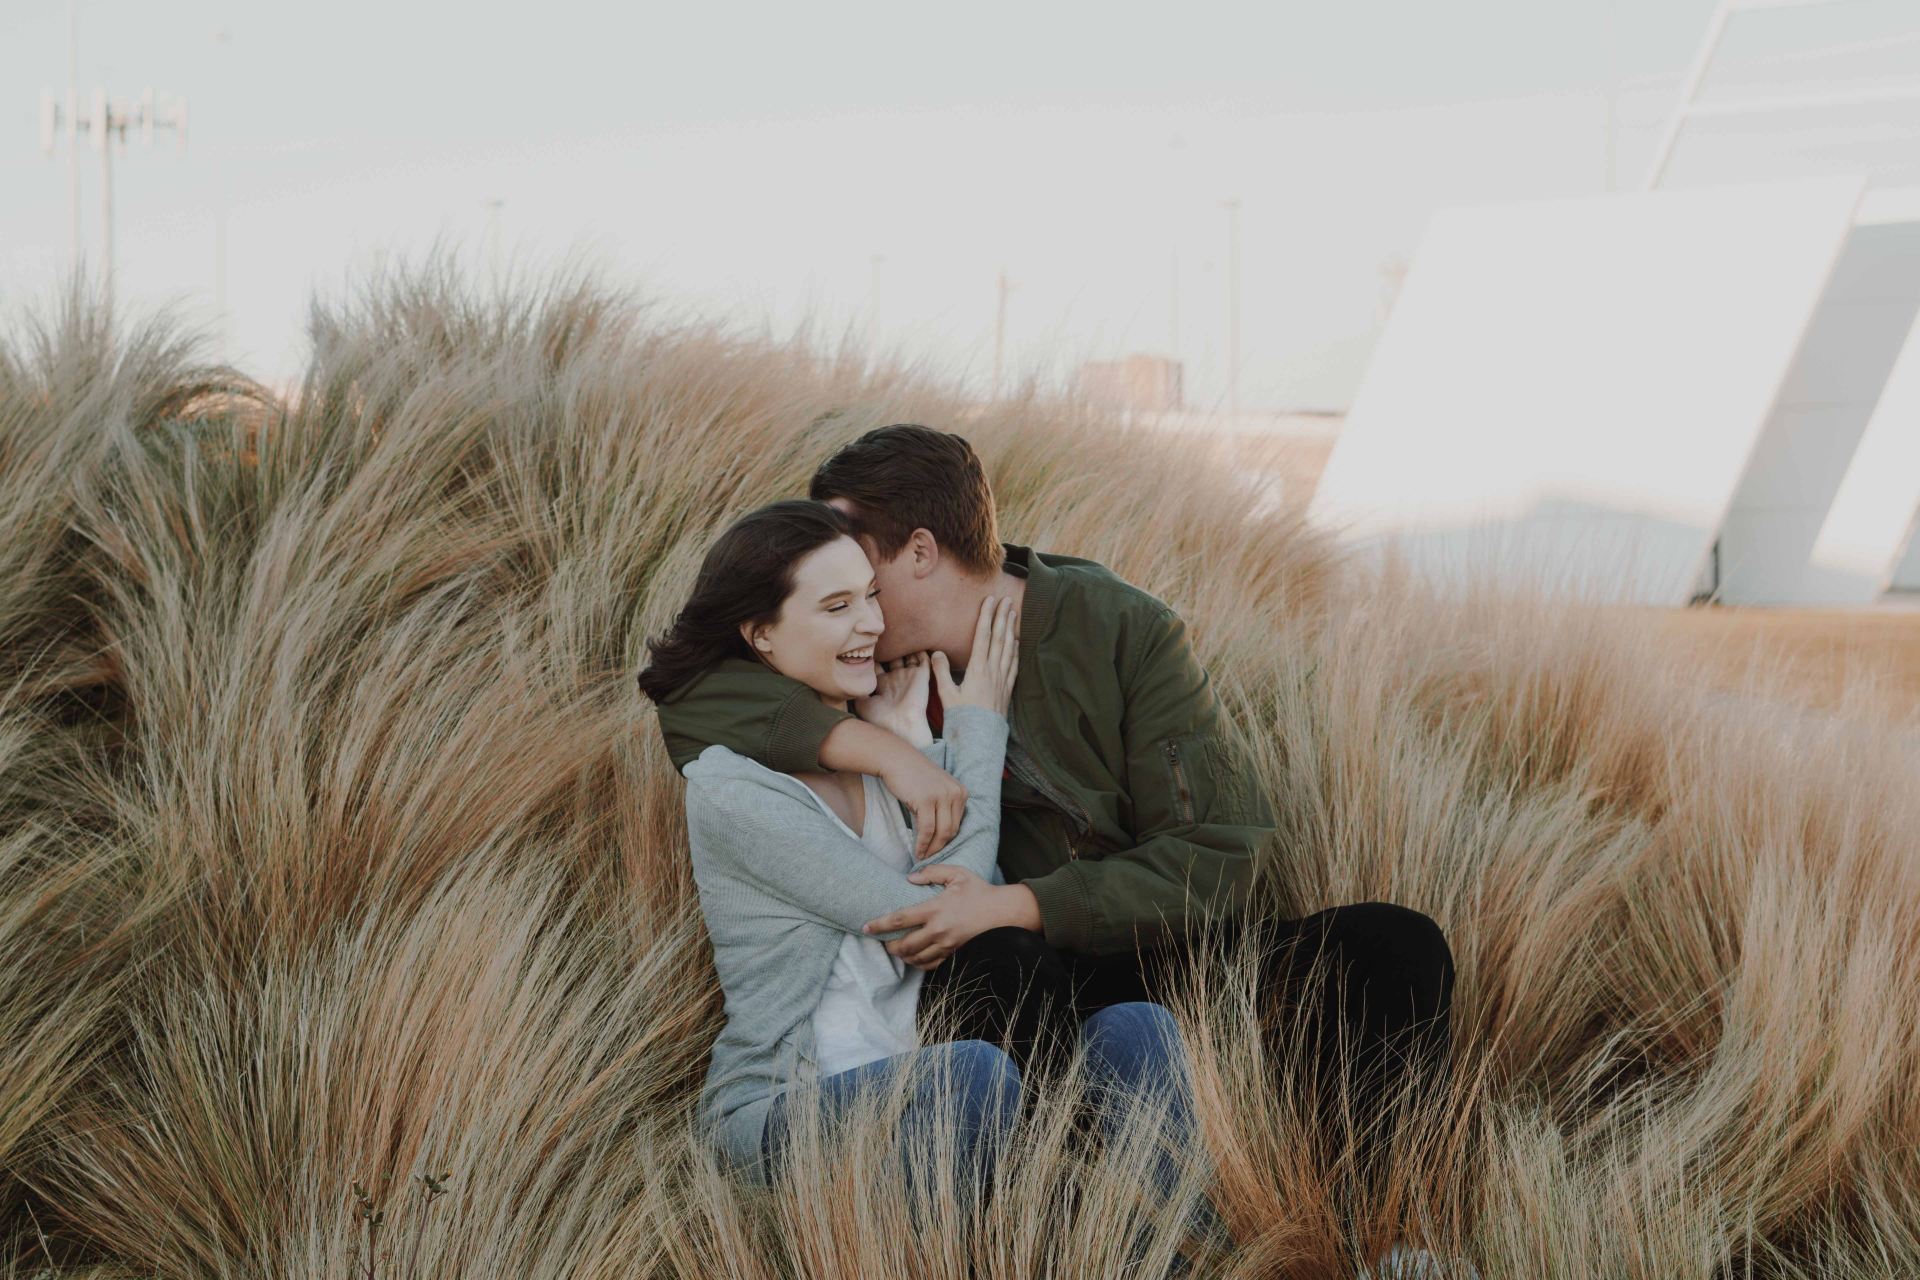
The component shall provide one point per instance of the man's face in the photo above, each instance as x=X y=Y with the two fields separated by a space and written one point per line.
x=905 y=597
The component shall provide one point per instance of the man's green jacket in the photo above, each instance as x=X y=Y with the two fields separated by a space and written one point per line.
x=1127 y=811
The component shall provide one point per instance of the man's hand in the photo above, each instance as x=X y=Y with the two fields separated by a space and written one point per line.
x=965 y=907
x=935 y=797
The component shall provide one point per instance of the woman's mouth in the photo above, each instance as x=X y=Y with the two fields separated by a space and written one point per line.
x=856 y=657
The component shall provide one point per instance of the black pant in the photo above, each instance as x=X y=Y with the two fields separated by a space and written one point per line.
x=1368 y=987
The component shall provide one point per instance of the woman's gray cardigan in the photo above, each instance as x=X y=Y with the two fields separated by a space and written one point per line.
x=781 y=883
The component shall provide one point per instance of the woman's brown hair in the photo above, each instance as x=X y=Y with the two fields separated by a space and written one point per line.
x=746 y=576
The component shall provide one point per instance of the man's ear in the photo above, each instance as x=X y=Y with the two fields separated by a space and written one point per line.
x=925 y=549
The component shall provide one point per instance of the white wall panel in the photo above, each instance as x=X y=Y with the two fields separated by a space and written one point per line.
x=1907 y=576
x=1569 y=390
x=1866 y=543
x=1792 y=482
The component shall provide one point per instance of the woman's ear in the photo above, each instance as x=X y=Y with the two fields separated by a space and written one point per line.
x=754 y=633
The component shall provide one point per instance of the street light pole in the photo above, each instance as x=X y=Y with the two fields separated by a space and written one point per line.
x=103 y=139
x=1173 y=306
x=873 y=311
x=1000 y=331
x=1233 y=304
x=108 y=122
x=221 y=37
x=493 y=237
x=73 y=136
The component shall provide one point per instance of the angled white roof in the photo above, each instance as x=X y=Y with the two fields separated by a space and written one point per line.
x=1568 y=391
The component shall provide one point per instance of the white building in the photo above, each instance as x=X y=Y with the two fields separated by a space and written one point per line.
x=1658 y=396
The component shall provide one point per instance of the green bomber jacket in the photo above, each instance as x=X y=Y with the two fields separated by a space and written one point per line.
x=1127 y=808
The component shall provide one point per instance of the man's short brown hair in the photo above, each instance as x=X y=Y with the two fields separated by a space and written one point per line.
x=905 y=477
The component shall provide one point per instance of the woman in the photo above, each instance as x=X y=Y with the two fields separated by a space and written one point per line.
x=791 y=866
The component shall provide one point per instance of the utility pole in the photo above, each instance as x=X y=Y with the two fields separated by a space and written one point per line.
x=873 y=311
x=493 y=237
x=1176 y=183
x=105 y=124
x=1233 y=304
x=73 y=141
x=221 y=36
x=1613 y=94
x=103 y=143
x=1000 y=331
x=1173 y=307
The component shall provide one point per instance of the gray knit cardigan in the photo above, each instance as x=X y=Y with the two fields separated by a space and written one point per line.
x=781 y=883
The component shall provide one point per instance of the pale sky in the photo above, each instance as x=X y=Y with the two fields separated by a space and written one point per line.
x=748 y=162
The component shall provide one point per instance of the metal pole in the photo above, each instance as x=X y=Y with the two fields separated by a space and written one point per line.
x=999 y=333
x=103 y=135
x=220 y=275
x=1176 y=144
x=1613 y=94
x=73 y=131
x=493 y=238
x=873 y=311
x=220 y=39
x=1233 y=305
x=1173 y=306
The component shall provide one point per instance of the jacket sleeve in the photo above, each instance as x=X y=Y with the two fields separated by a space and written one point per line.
x=751 y=710
x=790 y=850
x=1200 y=817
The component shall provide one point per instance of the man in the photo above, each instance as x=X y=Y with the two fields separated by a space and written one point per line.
x=1130 y=819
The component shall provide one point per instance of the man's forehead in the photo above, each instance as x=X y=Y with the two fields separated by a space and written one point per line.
x=843 y=505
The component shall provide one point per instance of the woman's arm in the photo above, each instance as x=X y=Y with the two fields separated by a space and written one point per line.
x=791 y=850
x=974 y=751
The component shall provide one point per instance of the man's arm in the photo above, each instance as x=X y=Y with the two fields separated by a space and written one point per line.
x=780 y=722
x=751 y=710
x=1200 y=817
x=759 y=835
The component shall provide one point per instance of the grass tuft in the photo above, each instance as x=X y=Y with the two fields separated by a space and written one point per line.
x=337 y=847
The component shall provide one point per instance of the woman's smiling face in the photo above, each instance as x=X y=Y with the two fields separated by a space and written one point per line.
x=828 y=624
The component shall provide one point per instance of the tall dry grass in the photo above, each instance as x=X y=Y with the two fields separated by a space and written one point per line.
x=337 y=846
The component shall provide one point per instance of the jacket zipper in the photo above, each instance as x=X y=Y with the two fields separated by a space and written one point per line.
x=1180 y=782
x=1030 y=773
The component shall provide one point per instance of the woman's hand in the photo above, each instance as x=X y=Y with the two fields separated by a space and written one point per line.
x=995 y=660
x=899 y=700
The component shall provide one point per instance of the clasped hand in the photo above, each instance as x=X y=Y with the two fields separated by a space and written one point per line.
x=965 y=907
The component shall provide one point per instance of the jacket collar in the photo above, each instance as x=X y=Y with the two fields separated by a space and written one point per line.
x=1043 y=592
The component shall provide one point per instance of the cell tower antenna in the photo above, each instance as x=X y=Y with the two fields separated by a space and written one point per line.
x=106 y=122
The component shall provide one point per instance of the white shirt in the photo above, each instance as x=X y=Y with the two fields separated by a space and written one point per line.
x=868 y=1010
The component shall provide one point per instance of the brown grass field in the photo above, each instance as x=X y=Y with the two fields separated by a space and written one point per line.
x=337 y=846
x=1855 y=661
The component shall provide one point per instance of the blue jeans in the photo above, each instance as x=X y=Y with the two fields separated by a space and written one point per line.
x=1133 y=1052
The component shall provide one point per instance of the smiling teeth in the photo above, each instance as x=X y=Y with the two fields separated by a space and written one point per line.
x=857 y=653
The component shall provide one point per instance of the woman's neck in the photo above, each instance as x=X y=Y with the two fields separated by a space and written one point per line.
x=837 y=703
